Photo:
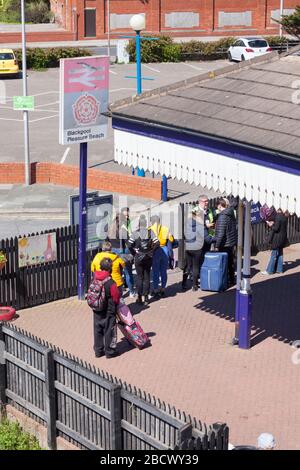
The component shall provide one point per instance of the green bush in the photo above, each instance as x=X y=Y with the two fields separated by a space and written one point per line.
x=171 y=53
x=38 y=12
x=11 y=11
x=276 y=40
x=13 y=438
x=151 y=51
x=200 y=50
x=165 y=50
x=38 y=58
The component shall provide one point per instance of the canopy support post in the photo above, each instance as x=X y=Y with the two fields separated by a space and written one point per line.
x=245 y=294
x=240 y=214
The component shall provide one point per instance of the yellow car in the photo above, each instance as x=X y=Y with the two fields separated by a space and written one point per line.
x=8 y=63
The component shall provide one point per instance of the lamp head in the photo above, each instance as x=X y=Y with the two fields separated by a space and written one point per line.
x=137 y=22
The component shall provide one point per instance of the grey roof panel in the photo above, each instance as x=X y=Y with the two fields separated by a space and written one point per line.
x=293 y=147
x=245 y=88
x=268 y=77
x=288 y=110
x=282 y=66
x=252 y=105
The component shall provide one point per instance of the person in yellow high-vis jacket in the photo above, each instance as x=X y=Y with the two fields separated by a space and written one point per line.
x=160 y=260
x=117 y=264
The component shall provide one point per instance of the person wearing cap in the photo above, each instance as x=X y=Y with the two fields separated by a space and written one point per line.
x=266 y=441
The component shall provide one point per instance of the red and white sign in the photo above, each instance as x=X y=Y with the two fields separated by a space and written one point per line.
x=83 y=99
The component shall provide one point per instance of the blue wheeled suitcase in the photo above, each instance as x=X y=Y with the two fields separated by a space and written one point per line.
x=214 y=272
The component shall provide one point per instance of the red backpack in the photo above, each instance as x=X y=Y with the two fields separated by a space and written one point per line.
x=96 y=297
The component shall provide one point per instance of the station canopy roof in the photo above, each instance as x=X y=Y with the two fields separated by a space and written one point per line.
x=235 y=130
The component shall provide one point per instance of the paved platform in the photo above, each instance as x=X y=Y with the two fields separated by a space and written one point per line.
x=191 y=363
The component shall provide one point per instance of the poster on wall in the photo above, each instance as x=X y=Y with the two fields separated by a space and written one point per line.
x=38 y=249
x=83 y=99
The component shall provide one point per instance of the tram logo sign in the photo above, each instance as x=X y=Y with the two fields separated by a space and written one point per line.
x=83 y=99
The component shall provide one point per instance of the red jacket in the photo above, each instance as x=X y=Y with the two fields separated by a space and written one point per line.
x=114 y=291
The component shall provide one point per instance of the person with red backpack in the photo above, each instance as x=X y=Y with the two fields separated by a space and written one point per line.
x=103 y=297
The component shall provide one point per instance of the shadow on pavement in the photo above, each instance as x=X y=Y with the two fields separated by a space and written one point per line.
x=276 y=307
x=124 y=345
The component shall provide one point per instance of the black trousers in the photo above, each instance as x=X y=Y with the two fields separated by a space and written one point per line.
x=231 y=262
x=143 y=268
x=193 y=262
x=104 y=333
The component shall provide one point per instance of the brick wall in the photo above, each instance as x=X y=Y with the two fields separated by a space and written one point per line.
x=36 y=429
x=67 y=175
x=209 y=13
x=215 y=18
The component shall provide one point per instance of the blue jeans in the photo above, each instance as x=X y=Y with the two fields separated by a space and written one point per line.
x=276 y=261
x=129 y=277
x=160 y=264
x=127 y=270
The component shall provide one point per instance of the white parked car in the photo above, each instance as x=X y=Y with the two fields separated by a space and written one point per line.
x=248 y=48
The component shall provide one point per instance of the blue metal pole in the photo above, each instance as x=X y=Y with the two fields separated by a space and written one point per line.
x=82 y=222
x=138 y=62
x=140 y=171
x=235 y=340
x=245 y=296
x=164 y=188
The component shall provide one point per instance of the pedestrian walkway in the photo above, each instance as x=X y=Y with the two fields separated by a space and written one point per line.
x=191 y=363
x=81 y=43
x=30 y=28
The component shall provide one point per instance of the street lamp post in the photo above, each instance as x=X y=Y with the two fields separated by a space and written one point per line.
x=75 y=29
x=25 y=112
x=108 y=29
x=245 y=300
x=281 y=13
x=137 y=23
x=82 y=221
x=239 y=262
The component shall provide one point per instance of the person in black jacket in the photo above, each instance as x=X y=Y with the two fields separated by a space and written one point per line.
x=141 y=245
x=226 y=235
x=278 y=240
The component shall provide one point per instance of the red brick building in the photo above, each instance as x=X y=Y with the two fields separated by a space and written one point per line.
x=89 y=18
